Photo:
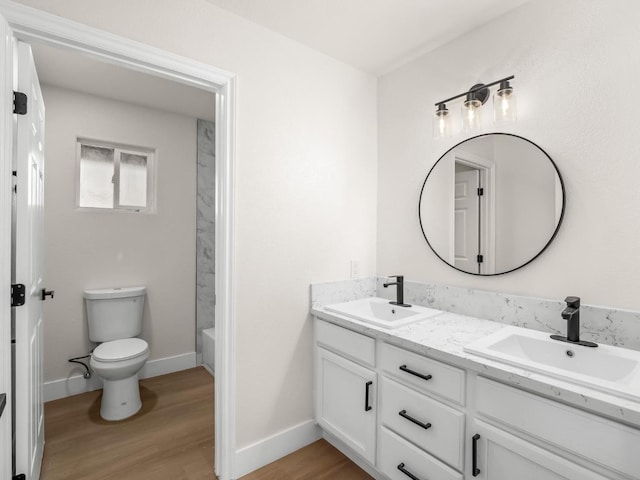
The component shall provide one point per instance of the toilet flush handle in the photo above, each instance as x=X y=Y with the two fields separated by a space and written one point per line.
x=46 y=293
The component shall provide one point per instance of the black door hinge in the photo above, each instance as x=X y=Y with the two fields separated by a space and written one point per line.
x=22 y=476
x=480 y=191
x=17 y=294
x=19 y=103
x=480 y=258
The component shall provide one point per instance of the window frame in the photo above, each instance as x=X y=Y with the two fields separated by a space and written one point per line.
x=118 y=149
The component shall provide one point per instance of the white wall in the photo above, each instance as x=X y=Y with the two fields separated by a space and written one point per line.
x=305 y=184
x=106 y=249
x=573 y=62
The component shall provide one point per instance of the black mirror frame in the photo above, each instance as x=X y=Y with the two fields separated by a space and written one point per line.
x=555 y=232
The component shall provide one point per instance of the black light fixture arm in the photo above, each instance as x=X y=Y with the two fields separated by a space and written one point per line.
x=476 y=89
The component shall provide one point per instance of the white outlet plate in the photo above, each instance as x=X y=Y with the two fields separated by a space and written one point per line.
x=355 y=268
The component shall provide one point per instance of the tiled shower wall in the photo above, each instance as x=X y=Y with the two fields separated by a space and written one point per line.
x=205 y=286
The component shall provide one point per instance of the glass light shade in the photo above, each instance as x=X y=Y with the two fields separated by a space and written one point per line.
x=504 y=104
x=442 y=127
x=471 y=114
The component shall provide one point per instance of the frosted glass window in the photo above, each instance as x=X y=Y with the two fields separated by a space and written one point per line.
x=133 y=180
x=114 y=177
x=96 y=177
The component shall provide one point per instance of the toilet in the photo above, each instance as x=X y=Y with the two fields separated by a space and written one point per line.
x=114 y=316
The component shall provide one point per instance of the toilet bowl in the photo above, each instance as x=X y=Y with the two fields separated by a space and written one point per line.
x=117 y=363
x=114 y=316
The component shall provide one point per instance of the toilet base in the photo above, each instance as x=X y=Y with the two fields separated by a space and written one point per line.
x=120 y=398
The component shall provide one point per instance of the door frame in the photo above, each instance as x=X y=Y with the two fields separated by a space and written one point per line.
x=29 y=24
x=487 y=169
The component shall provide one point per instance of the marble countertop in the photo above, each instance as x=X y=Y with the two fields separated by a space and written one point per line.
x=445 y=335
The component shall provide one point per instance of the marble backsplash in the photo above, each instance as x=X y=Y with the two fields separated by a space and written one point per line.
x=598 y=324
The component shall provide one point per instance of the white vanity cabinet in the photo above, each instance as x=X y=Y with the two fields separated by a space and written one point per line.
x=410 y=416
x=346 y=402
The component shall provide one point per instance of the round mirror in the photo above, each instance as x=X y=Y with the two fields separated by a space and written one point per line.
x=491 y=204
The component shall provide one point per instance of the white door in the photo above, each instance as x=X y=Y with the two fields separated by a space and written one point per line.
x=346 y=404
x=29 y=264
x=466 y=220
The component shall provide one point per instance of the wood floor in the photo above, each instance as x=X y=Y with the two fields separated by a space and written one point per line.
x=171 y=438
x=318 y=461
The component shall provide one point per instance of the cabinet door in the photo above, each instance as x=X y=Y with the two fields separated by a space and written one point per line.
x=501 y=456
x=346 y=397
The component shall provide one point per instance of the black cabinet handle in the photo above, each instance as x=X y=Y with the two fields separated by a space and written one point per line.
x=413 y=372
x=367 y=407
x=407 y=472
x=3 y=402
x=404 y=414
x=474 y=455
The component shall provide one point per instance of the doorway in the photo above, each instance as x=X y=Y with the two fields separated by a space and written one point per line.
x=184 y=71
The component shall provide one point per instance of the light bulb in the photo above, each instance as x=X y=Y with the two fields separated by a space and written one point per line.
x=471 y=113
x=442 y=122
x=504 y=103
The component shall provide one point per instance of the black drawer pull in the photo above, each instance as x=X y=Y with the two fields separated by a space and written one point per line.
x=413 y=372
x=404 y=414
x=407 y=472
x=367 y=407
x=474 y=455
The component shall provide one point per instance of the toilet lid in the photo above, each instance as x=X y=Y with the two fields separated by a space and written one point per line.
x=117 y=350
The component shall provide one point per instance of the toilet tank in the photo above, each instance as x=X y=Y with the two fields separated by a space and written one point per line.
x=114 y=313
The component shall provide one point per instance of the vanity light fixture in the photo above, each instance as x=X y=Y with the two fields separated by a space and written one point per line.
x=475 y=97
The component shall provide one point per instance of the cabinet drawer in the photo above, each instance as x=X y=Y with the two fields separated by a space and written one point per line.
x=350 y=344
x=395 y=451
x=608 y=443
x=429 y=424
x=413 y=369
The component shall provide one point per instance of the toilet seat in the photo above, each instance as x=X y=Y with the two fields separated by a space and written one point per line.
x=119 y=350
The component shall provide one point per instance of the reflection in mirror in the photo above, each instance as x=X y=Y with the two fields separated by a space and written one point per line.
x=491 y=204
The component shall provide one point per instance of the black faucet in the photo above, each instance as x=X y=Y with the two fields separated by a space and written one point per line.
x=399 y=290
x=572 y=315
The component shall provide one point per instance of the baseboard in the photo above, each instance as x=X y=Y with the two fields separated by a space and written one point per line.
x=65 y=387
x=165 y=365
x=208 y=369
x=272 y=448
x=353 y=456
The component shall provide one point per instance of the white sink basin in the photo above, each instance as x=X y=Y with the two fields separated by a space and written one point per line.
x=609 y=369
x=378 y=311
